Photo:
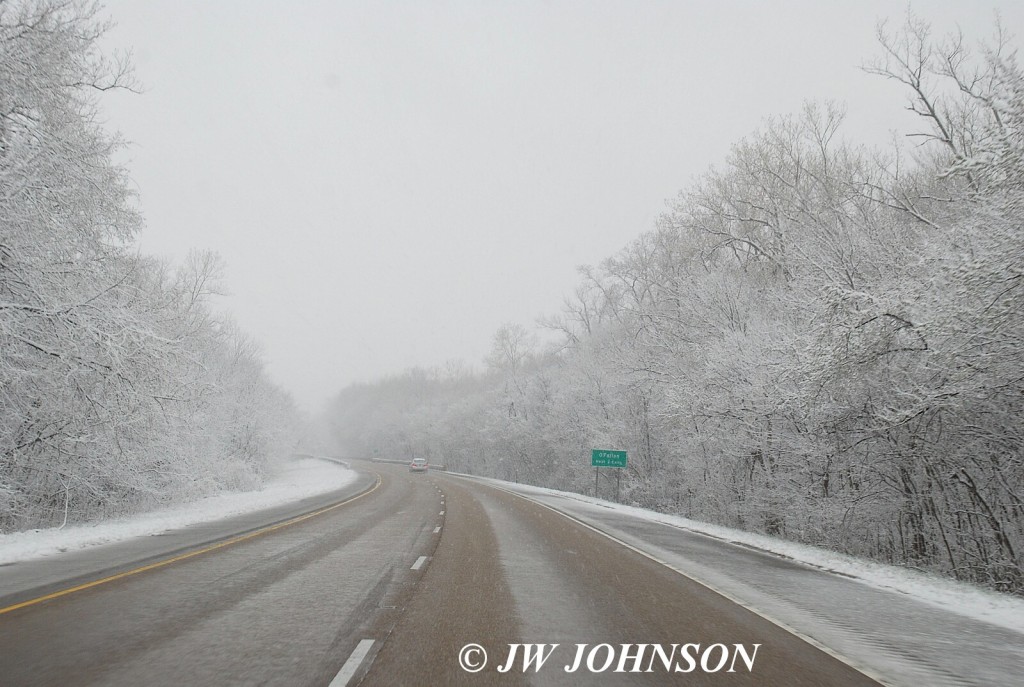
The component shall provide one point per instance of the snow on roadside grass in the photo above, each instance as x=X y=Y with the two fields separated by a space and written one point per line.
x=296 y=480
x=957 y=597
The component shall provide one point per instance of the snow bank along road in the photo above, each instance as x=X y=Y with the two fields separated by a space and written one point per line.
x=397 y=573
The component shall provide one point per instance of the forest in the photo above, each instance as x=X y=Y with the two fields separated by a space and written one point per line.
x=121 y=387
x=818 y=340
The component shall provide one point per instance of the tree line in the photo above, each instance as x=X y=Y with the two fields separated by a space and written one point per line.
x=120 y=388
x=819 y=340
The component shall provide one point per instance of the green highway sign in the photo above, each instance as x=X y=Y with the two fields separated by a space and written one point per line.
x=607 y=459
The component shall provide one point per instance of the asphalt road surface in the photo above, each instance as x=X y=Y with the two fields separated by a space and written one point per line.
x=384 y=585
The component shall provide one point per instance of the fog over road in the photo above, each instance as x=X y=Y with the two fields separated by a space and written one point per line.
x=396 y=573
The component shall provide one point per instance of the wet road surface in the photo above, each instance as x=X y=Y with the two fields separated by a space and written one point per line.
x=385 y=585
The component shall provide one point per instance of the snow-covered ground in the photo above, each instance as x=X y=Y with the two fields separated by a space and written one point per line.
x=296 y=480
x=958 y=597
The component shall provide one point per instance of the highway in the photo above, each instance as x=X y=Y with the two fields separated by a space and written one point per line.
x=384 y=584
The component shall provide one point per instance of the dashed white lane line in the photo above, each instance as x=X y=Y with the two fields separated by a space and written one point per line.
x=352 y=664
x=441 y=513
x=437 y=529
x=419 y=562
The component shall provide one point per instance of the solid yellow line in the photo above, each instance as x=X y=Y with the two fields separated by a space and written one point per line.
x=191 y=554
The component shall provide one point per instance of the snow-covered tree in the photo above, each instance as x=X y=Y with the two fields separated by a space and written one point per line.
x=112 y=365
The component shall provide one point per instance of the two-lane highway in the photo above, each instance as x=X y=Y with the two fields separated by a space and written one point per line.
x=511 y=571
x=385 y=583
x=285 y=605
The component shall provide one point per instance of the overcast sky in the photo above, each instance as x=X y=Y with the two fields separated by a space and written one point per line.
x=389 y=182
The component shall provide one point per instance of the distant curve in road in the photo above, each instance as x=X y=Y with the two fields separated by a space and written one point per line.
x=384 y=589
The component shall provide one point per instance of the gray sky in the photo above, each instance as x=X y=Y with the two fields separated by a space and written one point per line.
x=389 y=182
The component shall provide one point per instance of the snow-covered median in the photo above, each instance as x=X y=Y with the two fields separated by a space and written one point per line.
x=297 y=480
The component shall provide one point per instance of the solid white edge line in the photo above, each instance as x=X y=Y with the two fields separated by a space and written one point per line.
x=419 y=563
x=867 y=671
x=352 y=664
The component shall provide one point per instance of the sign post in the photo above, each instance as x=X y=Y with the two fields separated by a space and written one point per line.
x=604 y=458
